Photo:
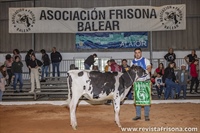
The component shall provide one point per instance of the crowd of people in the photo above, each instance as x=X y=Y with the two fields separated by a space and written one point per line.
x=170 y=80
x=12 y=69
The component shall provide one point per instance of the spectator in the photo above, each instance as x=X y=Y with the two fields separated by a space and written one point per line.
x=159 y=84
x=28 y=58
x=107 y=67
x=152 y=70
x=2 y=80
x=160 y=69
x=145 y=64
x=169 y=79
x=34 y=64
x=8 y=64
x=16 y=53
x=124 y=66
x=17 y=71
x=170 y=56
x=56 y=58
x=114 y=66
x=89 y=61
x=190 y=57
x=182 y=79
x=194 y=75
x=46 y=63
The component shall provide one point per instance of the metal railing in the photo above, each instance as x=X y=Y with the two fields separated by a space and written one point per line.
x=101 y=62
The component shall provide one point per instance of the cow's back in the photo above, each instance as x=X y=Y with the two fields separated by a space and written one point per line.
x=94 y=84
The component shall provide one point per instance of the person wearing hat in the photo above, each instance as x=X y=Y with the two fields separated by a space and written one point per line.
x=182 y=78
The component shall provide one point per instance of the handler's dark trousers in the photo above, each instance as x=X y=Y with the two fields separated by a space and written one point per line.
x=194 y=80
x=146 y=110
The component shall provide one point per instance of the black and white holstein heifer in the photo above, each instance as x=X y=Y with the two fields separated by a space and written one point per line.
x=98 y=86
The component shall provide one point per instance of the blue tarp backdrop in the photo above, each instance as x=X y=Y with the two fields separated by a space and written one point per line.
x=111 y=40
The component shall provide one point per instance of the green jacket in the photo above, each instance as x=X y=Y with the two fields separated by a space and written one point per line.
x=17 y=67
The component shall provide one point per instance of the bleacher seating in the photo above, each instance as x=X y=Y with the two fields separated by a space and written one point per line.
x=49 y=89
x=54 y=89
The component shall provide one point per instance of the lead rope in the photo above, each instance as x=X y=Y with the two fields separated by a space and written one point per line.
x=130 y=76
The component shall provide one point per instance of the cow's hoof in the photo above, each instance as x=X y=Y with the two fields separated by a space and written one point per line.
x=119 y=125
x=74 y=127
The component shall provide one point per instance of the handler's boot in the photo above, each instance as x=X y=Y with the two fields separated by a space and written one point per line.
x=147 y=118
x=136 y=118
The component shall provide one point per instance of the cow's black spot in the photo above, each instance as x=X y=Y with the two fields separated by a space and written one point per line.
x=70 y=85
x=87 y=81
x=80 y=73
x=89 y=88
x=102 y=82
x=127 y=79
x=95 y=96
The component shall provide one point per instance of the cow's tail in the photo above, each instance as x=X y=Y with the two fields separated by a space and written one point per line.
x=69 y=90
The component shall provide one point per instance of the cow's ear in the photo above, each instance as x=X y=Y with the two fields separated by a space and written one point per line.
x=132 y=67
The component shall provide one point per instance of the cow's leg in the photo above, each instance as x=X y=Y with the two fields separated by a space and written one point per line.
x=72 y=106
x=116 y=103
x=69 y=92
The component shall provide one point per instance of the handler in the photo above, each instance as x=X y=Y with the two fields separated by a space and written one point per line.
x=145 y=64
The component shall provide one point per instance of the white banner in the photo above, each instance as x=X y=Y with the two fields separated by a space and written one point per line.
x=100 y=19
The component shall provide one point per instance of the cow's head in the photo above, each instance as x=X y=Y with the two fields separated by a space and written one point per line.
x=171 y=16
x=23 y=19
x=138 y=70
x=127 y=79
x=133 y=74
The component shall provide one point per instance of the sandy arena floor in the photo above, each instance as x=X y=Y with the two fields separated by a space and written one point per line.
x=93 y=118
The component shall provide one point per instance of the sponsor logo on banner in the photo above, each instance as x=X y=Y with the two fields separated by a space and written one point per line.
x=171 y=17
x=23 y=20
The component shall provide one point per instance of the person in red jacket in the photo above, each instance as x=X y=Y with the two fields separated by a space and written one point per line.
x=114 y=66
x=194 y=75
